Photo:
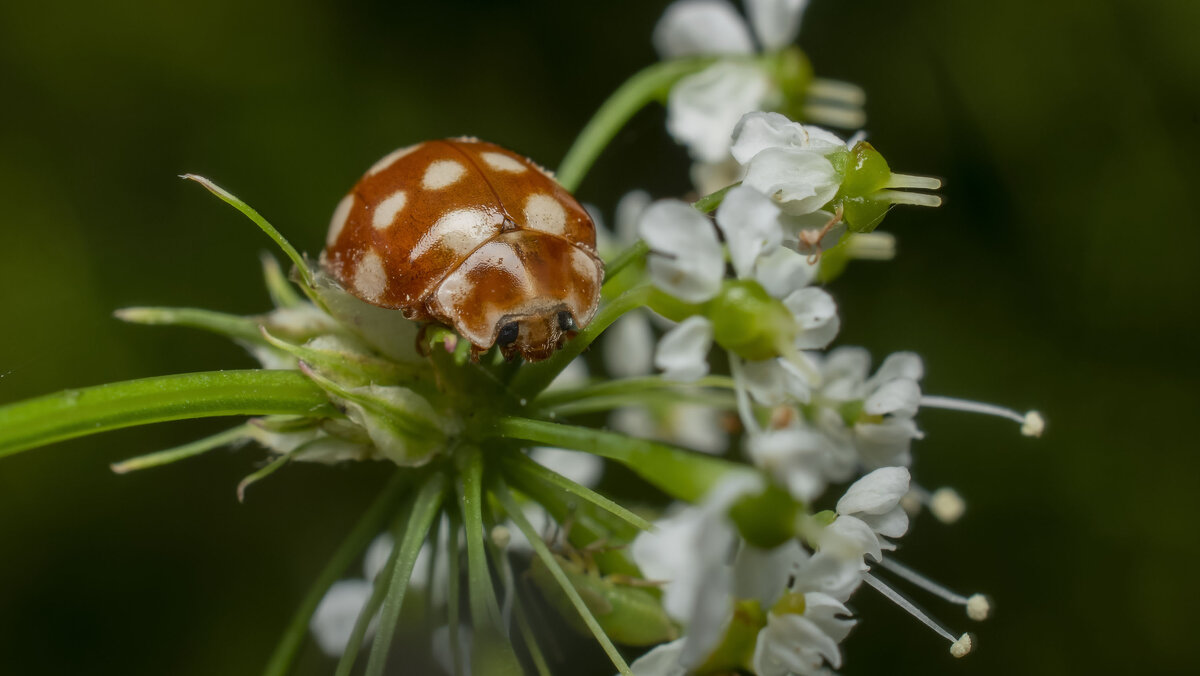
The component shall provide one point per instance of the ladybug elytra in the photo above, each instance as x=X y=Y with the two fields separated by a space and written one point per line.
x=474 y=236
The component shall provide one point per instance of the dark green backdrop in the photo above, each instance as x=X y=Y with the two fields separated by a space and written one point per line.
x=1061 y=274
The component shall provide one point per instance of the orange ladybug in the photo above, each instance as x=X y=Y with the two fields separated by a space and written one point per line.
x=474 y=236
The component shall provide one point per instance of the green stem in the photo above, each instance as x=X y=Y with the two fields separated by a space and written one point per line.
x=75 y=413
x=182 y=452
x=534 y=480
x=452 y=595
x=683 y=474
x=648 y=398
x=627 y=386
x=543 y=552
x=652 y=83
x=424 y=510
x=360 y=536
x=231 y=326
x=484 y=611
x=636 y=252
x=534 y=378
x=712 y=200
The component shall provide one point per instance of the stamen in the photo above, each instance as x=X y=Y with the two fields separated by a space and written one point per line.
x=911 y=608
x=911 y=181
x=1032 y=423
x=846 y=93
x=871 y=246
x=947 y=505
x=978 y=606
x=918 y=199
x=834 y=116
x=743 y=397
x=963 y=646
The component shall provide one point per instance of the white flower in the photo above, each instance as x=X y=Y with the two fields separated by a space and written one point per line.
x=690 y=425
x=703 y=108
x=662 y=661
x=801 y=643
x=759 y=131
x=868 y=514
x=333 y=620
x=692 y=553
x=682 y=353
x=685 y=260
x=787 y=161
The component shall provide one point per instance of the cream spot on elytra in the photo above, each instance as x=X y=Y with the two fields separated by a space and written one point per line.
x=544 y=213
x=442 y=173
x=460 y=231
x=387 y=160
x=340 y=214
x=385 y=211
x=370 y=279
x=502 y=162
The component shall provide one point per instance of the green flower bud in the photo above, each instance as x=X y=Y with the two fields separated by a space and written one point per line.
x=748 y=321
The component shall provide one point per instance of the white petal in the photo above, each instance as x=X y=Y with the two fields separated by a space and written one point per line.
x=876 y=493
x=686 y=260
x=692 y=27
x=377 y=555
x=698 y=427
x=850 y=538
x=800 y=181
x=885 y=444
x=892 y=523
x=830 y=574
x=582 y=468
x=709 y=177
x=703 y=108
x=765 y=381
x=792 y=644
x=758 y=131
x=899 y=365
x=901 y=397
x=662 y=661
x=682 y=353
x=333 y=620
x=794 y=456
x=816 y=316
x=782 y=271
x=749 y=221
x=763 y=573
x=629 y=346
x=824 y=611
x=629 y=211
x=776 y=22
x=634 y=421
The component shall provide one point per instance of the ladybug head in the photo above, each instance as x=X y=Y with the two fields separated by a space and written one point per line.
x=537 y=336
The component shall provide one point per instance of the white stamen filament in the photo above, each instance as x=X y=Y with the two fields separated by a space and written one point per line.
x=911 y=181
x=871 y=246
x=909 y=607
x=846 y=93
x=835 y=116
x=977 y=605
x=1032 y=423
x=918 y=199
x=743 y=397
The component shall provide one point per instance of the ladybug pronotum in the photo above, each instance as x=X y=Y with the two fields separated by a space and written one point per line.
x=474 y=236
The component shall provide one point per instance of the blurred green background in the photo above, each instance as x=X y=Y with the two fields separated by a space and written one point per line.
x=1061 y=274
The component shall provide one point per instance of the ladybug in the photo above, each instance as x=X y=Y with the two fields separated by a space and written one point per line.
x=474 y=236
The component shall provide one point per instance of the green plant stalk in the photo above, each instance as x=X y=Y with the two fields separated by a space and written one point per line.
x=649 y=397
x=686 y=475
x=652 y=83
x=534 y=378
x=185 y=451
x=452 y=595
x=543 y=552
x=535 y=479
x=379 y=590
x=221 y=323
x=627 y=386
x=712 y=200
x=360 y=536
x=482 y=598
x=75 y=413
x=425 y=509
x=636 y=252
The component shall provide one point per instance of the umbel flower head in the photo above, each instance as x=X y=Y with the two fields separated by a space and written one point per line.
x=782 y=464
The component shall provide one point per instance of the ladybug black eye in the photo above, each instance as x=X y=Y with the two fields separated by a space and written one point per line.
x=565 y=321
x=508 y=334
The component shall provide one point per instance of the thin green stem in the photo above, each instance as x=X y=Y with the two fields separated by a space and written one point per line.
x=652 y=83
x=360 y=536
x=649 y=397
x=712 y=200
x=627 y=386
x=231 y=326
x=482 y=597
x=75 y=413
x=529 y=637
x=534 y=378
x=683 y=474
x=178 y=453
x=533 y=480
x=306 y=276
x=543 y=552
x=452 y=595
x=424 y=510
x=282 y=293
x=636 y=252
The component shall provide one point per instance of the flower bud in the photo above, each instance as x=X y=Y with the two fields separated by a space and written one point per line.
x=749 y=322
